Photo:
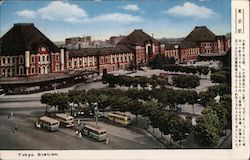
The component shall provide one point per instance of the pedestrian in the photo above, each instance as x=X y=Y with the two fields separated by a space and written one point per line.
x=16 y=128
x=8 y=115
x=80 y=134
x=107 y=140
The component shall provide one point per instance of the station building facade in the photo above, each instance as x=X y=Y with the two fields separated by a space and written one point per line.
x=207 y=41
x=25 y=51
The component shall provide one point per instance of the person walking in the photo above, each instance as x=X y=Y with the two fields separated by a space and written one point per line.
x=15 y=129
x=107 y=140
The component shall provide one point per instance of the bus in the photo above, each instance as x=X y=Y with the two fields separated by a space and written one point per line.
x=65 y=120
x=95 y=132
x=48 y=123
x=119 y=118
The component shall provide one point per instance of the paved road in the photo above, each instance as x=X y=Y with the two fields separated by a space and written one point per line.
x=27 y=137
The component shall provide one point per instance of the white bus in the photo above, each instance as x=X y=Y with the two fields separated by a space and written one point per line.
x=94 y=131
x=49 y=123
x=65 y=120
x=119 y=118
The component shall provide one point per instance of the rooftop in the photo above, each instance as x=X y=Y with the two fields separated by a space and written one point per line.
x=201 y=34
x=24 y=37
x=100 y=51
x=137 y=37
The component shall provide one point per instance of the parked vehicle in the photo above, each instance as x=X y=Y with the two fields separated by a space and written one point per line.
x=95 y=132
x=48 y=123
x=119 y=118
x=65 y=120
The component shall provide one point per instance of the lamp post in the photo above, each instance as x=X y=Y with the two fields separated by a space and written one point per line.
x=96 y=111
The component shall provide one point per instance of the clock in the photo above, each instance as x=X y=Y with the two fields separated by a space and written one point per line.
x=43 y=49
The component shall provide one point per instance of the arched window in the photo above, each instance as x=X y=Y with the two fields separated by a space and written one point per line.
x=3 y=72
x=8 y=72
x=44 y=71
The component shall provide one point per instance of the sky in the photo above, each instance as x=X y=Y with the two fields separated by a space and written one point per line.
x=102 y=19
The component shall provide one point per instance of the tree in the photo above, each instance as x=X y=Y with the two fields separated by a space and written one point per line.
x=155 y=117
x=220 y=111
x=164 y=125
x=92 y=97
x=205 y=98
x=47 y=99
x=111 y=80
x=135 y=108
x=103 y=102
x=62 y=101
x=191 y=98
x=143 y=81
x=160 y=61
x=154 y=81
x=219 y=77
x=184 y=81
x=179 y=128
x=207 y=129
x=76 y=97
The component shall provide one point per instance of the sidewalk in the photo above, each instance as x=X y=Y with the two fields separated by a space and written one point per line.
x=37 y=96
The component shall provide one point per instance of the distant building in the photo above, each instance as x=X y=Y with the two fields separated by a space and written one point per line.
x=183 y=51
x=26 y=51
x=104 y=60
x=207 y=41
x=115 y=39
x=78 y=42
x=144 y=46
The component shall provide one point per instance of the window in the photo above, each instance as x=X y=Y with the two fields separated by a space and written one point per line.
x=8 y=60
x=14 y=60
x=121 y=59
x=13 y=72
x=102 y=60
x=3 y=60
x=32 y=59
x=3 y=72
x=47 y=58
x=57 y=57
x=69 y=64
x=8 y=72
x=106 y=60
x=43 y=58
x=39 y=70
x=113 y=59
x=57 y=67
x=75 y=63
x=21 y=70
x=33 y=70
x=39 y=59
x=80 y=62
x=125 y=59
x=117 y=59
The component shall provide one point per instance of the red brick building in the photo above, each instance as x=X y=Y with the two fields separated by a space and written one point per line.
x=183 y=51
x=26 y=51
x=207 y=41
x=143 y=46
x=104 y=60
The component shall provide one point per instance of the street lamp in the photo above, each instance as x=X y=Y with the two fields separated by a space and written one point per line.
x=96 y=111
